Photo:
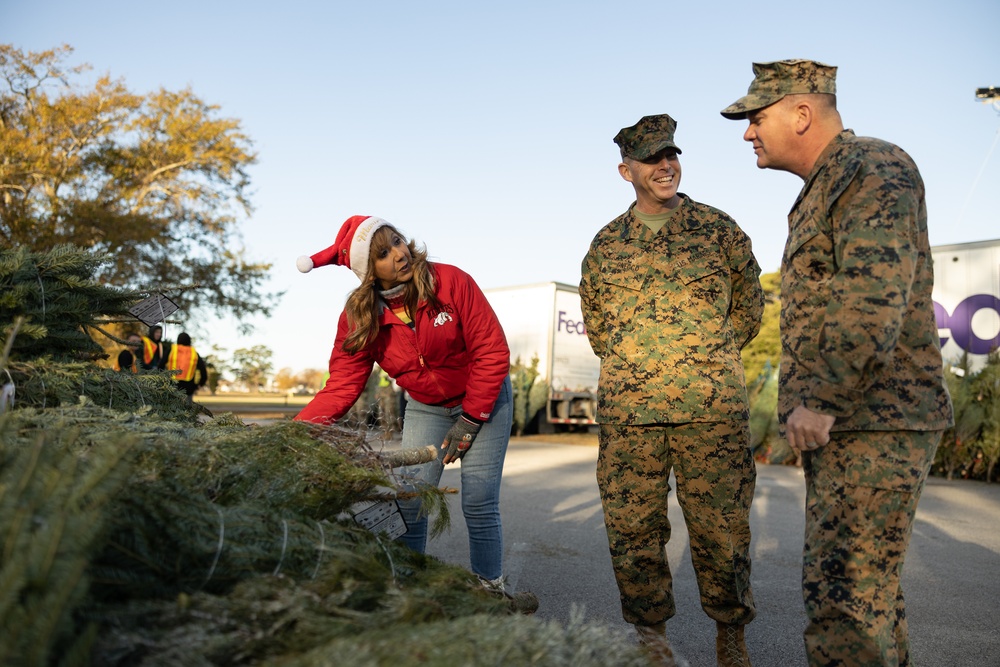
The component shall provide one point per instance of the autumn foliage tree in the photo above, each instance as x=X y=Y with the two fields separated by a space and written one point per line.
x=252 y=366
x=158 y=181
x=311 y=379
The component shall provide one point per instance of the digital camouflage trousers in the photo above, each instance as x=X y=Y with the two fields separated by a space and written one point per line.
x=861 y=495
x=715 y=476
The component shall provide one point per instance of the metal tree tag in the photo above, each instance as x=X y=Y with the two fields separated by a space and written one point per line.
x=153 y=310
x=379 y=517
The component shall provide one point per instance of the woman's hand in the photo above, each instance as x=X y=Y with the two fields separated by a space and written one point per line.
x=459 y=438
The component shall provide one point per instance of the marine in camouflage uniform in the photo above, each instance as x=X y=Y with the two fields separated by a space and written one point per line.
x=667 y=309
x=862 y=393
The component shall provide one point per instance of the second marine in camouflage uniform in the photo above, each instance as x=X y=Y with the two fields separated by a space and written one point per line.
x=862 y=393
x=667 y=312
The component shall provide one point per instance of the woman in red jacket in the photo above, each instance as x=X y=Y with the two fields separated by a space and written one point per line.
x=430 y=327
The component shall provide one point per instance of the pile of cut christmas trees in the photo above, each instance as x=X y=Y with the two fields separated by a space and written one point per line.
x=135 y=531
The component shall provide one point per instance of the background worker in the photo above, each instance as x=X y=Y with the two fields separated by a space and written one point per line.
x=862 y=393
x=670 y=294
x=126 y=362
x=128 y=359
x=154 y=349
x=190 y=370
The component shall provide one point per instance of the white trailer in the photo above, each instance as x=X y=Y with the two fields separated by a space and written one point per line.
x=546 y=320
x=967 y=299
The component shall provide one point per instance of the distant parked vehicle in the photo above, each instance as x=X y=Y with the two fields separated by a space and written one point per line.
x=546 y=320
x=967 y=299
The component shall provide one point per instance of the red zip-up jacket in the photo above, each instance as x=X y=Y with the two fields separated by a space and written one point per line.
x=455 y=356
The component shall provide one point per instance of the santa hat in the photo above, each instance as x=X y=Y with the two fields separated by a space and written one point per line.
x=350 y=249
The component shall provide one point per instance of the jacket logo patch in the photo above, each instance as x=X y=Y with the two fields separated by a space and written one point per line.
x=442 y=318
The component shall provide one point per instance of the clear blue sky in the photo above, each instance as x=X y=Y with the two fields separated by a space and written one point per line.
x=485 y=130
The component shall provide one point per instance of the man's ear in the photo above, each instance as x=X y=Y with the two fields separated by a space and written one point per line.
x=804 y=115
x=625 y=172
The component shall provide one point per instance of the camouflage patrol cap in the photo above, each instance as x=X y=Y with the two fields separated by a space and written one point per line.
x=772 y=81
x=648 y=137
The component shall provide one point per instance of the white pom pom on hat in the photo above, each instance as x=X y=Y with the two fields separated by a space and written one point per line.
x=351 y=249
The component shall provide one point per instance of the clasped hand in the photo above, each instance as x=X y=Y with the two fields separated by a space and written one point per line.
x=808 y=430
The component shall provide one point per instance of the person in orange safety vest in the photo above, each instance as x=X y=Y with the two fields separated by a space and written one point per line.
x=190 y=370
x=128 y=359
x=154 y=350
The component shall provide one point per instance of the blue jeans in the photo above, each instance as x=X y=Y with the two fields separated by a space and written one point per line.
x=482 y=467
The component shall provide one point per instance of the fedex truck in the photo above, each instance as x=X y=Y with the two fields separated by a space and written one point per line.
x=967 y=299
x=546 y=320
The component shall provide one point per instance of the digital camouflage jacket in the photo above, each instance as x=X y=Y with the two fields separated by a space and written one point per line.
x=859 y=338
x=668 y=312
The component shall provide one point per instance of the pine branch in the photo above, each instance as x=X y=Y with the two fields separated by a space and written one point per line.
x=51 y=517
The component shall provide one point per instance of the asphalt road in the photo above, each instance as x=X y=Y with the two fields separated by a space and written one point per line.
x=555 y=546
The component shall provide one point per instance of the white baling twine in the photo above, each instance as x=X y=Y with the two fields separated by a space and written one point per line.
x=392 y=566
x=218 y=549
x=163 y=317
x=319 y=552
x=284 y=544
x=41 y=287
x=138 y=385
x=7 y=393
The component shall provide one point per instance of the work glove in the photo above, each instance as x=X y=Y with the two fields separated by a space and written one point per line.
x=459 y=437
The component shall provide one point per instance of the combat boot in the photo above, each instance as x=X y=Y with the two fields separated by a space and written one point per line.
x=653 y=640
x=730 y=648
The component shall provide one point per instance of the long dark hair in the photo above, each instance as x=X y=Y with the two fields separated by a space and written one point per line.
x=363 y=305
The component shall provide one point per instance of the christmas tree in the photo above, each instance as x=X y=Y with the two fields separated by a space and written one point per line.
x=137 y=531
